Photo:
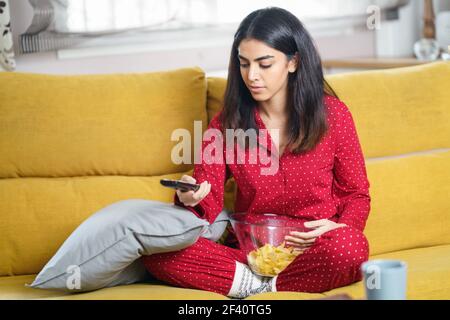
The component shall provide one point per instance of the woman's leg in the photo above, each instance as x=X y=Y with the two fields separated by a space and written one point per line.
x=333 y=261
x=205 y=265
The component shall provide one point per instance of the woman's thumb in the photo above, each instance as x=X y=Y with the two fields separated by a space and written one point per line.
x=188 y=179
x=315 y=223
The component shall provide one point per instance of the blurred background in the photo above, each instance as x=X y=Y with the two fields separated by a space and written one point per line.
x=111 y=36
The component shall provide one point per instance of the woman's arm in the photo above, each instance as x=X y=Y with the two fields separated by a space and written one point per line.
x=350 y=184
x=212 y=170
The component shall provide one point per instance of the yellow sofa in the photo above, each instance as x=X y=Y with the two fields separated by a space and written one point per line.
x=71 y=145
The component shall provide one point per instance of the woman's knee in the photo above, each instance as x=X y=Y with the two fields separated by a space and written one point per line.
x=347 y=247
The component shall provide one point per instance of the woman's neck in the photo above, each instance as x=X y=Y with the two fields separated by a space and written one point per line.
x=274 y=109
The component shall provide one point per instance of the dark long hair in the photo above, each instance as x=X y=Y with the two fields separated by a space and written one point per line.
x=281 y=30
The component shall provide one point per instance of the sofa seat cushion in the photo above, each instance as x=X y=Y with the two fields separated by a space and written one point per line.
x=428 y=274
x=286 y=295
x=14 y=288
x=428 y=278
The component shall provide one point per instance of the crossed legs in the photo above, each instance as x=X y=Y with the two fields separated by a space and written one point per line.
x=333 y=261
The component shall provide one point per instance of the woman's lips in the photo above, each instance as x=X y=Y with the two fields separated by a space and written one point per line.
x=256 y=89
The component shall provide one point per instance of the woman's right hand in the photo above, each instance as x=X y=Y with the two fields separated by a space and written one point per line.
x=191 y=198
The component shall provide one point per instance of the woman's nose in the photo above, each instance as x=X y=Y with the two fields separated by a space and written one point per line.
x=253 y=73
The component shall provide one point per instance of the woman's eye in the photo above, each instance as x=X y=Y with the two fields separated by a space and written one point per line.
x=246 y=65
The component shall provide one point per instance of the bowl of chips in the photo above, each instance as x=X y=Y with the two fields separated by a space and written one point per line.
x=262 y=238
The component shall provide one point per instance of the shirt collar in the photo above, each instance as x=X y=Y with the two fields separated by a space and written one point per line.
x=263 y=139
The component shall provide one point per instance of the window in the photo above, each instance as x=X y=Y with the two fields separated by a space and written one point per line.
x=70 y=22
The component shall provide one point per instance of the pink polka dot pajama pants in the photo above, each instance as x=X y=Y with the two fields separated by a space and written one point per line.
x=333 y=261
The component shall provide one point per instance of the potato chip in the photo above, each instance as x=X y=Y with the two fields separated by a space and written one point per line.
x=269 y=260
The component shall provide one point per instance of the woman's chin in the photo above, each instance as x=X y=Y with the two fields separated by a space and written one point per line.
x=260 y=97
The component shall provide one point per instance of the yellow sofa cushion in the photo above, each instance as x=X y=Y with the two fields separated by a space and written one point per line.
x=38 y=214
x=428 y=278
x=399 y=110
x=14 y=288
x=120 y=124
x=410 y=205
x=215 y=92
x=428 y=274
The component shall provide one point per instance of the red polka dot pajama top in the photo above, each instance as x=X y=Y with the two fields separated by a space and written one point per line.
x=328 y=182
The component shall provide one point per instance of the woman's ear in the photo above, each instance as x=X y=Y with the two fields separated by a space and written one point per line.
x=293 y=63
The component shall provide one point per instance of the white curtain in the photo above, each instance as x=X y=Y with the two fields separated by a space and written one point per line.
x=6 y=43
x=103 y=16
x=63 y=23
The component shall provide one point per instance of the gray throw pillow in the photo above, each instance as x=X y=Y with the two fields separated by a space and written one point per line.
x=104 y=250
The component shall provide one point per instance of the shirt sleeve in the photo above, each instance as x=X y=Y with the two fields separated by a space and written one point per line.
x=212 y=169
x=350 y=184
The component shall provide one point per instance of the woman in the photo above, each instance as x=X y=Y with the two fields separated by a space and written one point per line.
x=276 y=83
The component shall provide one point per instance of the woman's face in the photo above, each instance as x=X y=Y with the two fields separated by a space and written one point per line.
x=264 y=69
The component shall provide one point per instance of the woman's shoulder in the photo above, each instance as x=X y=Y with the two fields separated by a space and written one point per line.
x=334 y=105
x=336 y=109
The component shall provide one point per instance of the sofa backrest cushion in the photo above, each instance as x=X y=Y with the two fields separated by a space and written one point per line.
x=38 y=214
x=410 y=205
x=115 y=124
x=215 y=92
x=399 y=110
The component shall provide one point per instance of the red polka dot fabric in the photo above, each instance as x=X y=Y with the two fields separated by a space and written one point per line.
x=333 y=261
x=205 y=265
x=328 y=182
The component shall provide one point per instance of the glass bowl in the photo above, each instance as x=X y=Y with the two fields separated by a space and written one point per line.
x=262 y=238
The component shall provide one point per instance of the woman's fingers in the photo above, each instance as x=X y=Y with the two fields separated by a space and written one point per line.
x=198 y=194
x=201 y=193
x=188 y=179
x=300 y=247
x=191 y=198
x=299 y=251
x=208 y=190
x=185 y=197
x=308 y=235
x=299 y=240
x=316 y=223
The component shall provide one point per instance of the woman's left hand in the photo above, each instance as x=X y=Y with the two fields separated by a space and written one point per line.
x=304 y=240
